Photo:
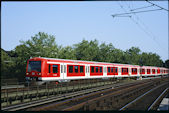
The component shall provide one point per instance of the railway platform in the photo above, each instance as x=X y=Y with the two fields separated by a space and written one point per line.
x=12 y=86
x=164 y=105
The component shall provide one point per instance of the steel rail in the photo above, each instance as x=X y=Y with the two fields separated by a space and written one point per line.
x=94 y=93
x=157 y=99
x=77 y=106
x=52 y=99
x=63 y=96
x=77 y=94
x=140 y=97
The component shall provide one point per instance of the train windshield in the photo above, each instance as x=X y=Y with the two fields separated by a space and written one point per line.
x=34 y=66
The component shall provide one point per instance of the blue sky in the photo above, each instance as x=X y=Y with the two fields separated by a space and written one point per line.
x=71 y=22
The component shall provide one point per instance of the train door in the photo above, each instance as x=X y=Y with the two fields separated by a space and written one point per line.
x=104 y=71
x=139 y=70
x=129 y=71
x=87 y=72
x=119 y=70
x=145 y=71
x=65 y=71
x=62 y=71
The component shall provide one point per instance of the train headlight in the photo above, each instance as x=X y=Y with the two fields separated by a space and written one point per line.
x=27 y=73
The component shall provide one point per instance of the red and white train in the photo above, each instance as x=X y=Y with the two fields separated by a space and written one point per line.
x=51 y=69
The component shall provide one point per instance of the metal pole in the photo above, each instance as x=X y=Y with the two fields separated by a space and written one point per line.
x=7 y=93
x=17 y=90
x=23 y=95
x=37 y=88
x=48 y=89
x=53 y=88
x=28 y=88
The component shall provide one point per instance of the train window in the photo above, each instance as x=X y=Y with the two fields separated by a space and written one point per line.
x=55 y=68
x=153 y=70
x=76 y=69
x=148 y=71
x=92 y=69
x=49 y=68
x=97 y=69
x=134 y=70
x=70 y=69
x=116 y=69
x=109 y=69
x=34 y=66
x=124 y=70
x=143 y=70
x=81 y=69
x=101 y=69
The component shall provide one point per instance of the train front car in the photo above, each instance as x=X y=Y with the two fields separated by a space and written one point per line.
x=34 y=71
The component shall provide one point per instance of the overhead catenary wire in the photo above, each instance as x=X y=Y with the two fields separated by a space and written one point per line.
x=141 y=7
x=135 y=12
x=157 y=5
x=123 y=16
x=145 y=31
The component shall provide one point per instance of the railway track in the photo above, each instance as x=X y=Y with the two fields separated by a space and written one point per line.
x=93 y=100
x=81 y=100
x=48 y=100
x=19 y=95
x=156 y=103
x=142 y=102
x=60 y=97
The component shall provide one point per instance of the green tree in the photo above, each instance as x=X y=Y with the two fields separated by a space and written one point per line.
x=67 y=53
x=118 y=56
x=133 y=55
x=87 y=50
x=167 y=63
x=151 y=59
x=7 y=63
x=41 y=44
x=105 y=52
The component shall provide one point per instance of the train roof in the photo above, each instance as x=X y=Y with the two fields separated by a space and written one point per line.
x=93 y=62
